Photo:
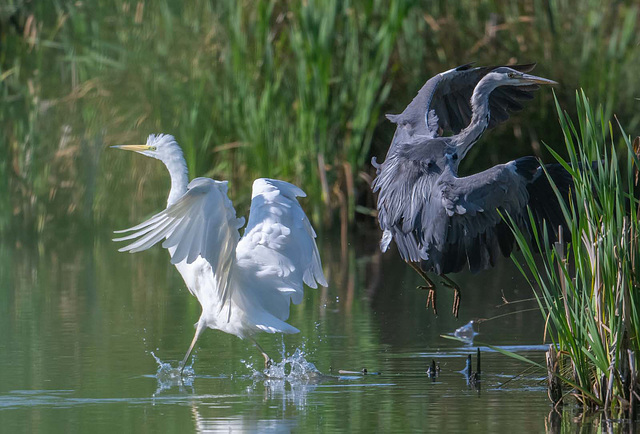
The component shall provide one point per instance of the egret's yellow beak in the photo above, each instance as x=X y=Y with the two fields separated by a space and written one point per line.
x=136 y=148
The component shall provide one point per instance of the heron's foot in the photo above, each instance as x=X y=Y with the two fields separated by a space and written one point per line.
x=431 y=297
x=456 y=301
x=456 y=293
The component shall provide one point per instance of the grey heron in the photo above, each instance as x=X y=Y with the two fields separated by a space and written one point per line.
x=441 y=222
x=244 y=284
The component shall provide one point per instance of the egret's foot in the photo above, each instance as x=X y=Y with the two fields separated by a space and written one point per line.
x=267 y=360
x=431 y=298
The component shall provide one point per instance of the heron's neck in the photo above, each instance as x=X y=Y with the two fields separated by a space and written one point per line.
x=479 y=118
x=179 y=173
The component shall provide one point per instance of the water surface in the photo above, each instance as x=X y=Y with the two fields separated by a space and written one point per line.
x=85 y=332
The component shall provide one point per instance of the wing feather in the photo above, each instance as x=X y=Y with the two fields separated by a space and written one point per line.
x=279 y=247
x=452 y=222
x=475 y=205
x=201 y=223
x=447 y=96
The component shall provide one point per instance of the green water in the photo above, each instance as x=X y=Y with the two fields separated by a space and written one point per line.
x=79 y=323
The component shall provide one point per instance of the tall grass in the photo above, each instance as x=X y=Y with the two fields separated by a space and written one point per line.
x=588 y=289
x=294 y=90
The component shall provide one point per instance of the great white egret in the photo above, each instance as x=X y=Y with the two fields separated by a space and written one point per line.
x=244 y=284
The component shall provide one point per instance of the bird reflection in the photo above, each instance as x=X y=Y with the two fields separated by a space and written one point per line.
x=232 y=424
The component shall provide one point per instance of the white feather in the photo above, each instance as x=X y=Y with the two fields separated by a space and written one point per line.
x=256 y=276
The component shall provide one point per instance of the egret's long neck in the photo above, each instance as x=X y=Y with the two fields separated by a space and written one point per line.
x=179 y=173
x=479 y=118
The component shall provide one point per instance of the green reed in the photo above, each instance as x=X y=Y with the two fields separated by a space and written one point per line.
x=588 y=288
x=294 y=90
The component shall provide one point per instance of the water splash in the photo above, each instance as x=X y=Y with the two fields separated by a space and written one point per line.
x=169 y=377
x=293 y=368
x=466 y=333
x=288 y=381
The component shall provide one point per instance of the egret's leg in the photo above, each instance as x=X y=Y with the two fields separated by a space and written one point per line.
x=267 y=360
x=456 y=293
x=199 y=329
x=430 y=286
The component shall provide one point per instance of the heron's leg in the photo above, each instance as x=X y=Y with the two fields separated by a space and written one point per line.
x=267 y=360
x=430 y=286
x=199 y=329
x=456 y=293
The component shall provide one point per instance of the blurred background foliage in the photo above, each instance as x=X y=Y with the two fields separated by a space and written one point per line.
x=286 y=89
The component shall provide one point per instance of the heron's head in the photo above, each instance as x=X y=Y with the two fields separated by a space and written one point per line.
x=162 y=147
x=505 y=76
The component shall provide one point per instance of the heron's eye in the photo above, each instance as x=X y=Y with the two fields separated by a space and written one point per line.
x=511 y=75
x=430 y=165
x=454 y=157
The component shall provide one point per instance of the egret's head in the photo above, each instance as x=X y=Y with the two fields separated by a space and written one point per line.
x=505 y=76
x=162 y=146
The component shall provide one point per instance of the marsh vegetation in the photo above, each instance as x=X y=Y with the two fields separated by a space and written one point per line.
x=294 y=90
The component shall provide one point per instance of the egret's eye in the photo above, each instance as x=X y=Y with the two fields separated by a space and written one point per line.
x=152 y=148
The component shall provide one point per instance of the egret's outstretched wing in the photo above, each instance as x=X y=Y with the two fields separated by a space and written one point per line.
x=475 y=205
x=202 y=223
x=445 y=102
x=277 y=252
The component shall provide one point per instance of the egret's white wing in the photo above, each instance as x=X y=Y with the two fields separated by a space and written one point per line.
x=277 y=253
x=201 y=223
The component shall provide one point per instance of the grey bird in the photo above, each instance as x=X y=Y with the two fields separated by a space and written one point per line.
x=442 y=223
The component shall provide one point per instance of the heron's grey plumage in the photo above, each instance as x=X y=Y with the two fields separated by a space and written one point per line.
x=440 y=220
x=445 y=101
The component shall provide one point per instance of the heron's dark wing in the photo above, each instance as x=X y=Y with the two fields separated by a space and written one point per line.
x=477 y=234
x=408 y=203
x=444 y=102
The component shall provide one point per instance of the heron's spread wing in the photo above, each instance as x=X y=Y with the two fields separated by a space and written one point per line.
x=476 y=233
x=444 y=102
x=446 y=222
x=407 y=199
x=277 y=252
x=202 y=223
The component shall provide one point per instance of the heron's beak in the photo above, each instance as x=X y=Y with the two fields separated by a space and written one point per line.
x=533 y=79
x=135 y=148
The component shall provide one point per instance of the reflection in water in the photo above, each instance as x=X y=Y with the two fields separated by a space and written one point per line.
x=69 y=323
x=238 y=424
x=284 y=386
x=288 y=394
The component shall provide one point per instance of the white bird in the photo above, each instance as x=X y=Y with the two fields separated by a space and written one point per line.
x=244 y=285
